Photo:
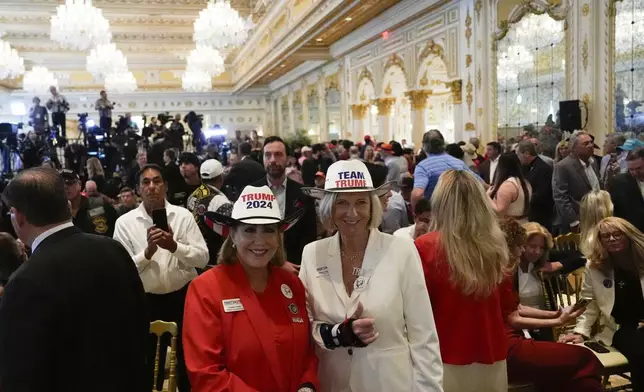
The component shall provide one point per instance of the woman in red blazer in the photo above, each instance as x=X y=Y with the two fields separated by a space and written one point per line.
x=245 y=325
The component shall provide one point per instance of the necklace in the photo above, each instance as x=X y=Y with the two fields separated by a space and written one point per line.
x=352 y=258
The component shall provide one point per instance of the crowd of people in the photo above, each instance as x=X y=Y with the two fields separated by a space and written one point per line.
x=334 y=267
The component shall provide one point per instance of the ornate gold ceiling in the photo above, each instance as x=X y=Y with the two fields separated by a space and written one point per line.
x=156 y=37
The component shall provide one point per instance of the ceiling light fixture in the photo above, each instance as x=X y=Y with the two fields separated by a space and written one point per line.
x=11 y=64
x=282 y=65
x=120 y=82
x=196 y=81
x=106 y=59
x=206 y=59
x=348 y=19
x=78 y=25
x=220 y=26
x=39 y=80
x=319 y=39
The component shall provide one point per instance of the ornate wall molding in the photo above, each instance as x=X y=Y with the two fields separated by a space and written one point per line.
x=418 y=98
x=394 y=61
x=456 y=86
x=384 y=105
x=538 y=7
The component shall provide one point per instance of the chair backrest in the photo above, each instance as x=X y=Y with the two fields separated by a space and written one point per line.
x=561 y=290
x=159 y=328
x=568 y=241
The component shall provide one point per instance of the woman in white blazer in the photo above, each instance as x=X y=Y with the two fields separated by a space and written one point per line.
x=614 y=280
x=372 y=319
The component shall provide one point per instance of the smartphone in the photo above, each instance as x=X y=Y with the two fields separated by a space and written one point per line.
x=596 y=347
x=160 y=219
x=582 y=302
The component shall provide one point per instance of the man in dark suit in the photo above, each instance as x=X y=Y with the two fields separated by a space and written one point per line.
x=290 y=198
x=539 y=174
x=627 y=191
x=487 y=169
x=245 y=172
x=317 y=163
x=73 y=318
x=572 y=179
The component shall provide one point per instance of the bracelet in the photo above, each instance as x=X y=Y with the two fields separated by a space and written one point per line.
x=340 y=335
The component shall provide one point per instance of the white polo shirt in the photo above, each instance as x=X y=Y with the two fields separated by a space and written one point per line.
x=165 y=272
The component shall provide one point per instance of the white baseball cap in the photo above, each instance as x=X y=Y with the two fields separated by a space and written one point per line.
x=211 y=169
x=255 y=206
x=347 y=176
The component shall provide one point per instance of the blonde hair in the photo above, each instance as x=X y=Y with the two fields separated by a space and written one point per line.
x=328 y=202
x=599 y=257
x=532 y=229
x=228 y=252
x=560 y=145
x=94 y=168
x=470 y=234
x=595 y=206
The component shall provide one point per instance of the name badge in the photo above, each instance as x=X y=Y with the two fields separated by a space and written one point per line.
x=232 y=305
x=96 y=211
x=323 y=271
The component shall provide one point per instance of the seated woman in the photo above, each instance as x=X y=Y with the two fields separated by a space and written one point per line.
x=245 y=325
x=464 y=260
x=372 y=317
x=552 y=367
x=614 y=280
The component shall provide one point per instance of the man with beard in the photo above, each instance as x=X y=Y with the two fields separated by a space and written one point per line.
x=290 y=198
x=189 y=168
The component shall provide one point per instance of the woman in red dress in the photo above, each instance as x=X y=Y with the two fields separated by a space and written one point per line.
x=464 y=261
x=246 y=328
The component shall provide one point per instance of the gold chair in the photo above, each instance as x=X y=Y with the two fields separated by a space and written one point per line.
x=561 y=290
x=159 y=328
x=568 y=241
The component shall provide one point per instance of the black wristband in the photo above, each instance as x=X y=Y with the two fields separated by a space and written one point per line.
x=340 y=335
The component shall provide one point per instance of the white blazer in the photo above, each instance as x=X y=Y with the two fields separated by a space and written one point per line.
x=406 y=355
x=600 y=287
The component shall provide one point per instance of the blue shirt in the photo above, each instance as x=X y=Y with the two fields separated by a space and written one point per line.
x=429 y=169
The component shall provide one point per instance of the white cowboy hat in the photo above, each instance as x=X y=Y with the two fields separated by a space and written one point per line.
x=255 y=206
x=347 y=176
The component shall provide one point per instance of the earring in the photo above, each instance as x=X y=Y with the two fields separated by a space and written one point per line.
x=234 y=246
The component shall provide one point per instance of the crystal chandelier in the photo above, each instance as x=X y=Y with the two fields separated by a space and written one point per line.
x=78 y=25
x=220 y=26
x=39 y=80
x=196 y=81
x=120 y=82
x=538 y=31
x=206 y=59
x=105 y=59
x=11 y=64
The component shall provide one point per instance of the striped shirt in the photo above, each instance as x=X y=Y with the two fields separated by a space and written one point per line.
x=429 y=169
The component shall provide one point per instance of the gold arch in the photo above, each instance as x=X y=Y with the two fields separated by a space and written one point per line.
x=365 y=74
x=432 y=48
x=395 y=61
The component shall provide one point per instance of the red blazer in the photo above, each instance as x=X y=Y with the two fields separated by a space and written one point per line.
x=263 y=345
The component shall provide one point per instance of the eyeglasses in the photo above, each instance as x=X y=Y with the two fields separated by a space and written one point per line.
x=616 y=235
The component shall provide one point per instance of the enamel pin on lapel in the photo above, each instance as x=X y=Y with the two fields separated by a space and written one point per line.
x=293 y=308
x=608 y=283
x=286 y=291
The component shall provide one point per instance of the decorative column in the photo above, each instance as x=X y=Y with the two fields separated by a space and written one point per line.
x=291 y=113
x=418 y=100
x=322 y=113
x=304 y=98
x=266 y=104
x=280 y=118
x=345 y=132
x=384 y=117
x=359 y=112
x=274 y=128
x=457 y=99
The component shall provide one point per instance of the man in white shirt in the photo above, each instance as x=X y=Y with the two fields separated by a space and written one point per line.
x=422 y=216
x=166 y=260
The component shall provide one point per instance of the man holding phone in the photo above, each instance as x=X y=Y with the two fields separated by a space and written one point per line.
x=167 y=247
